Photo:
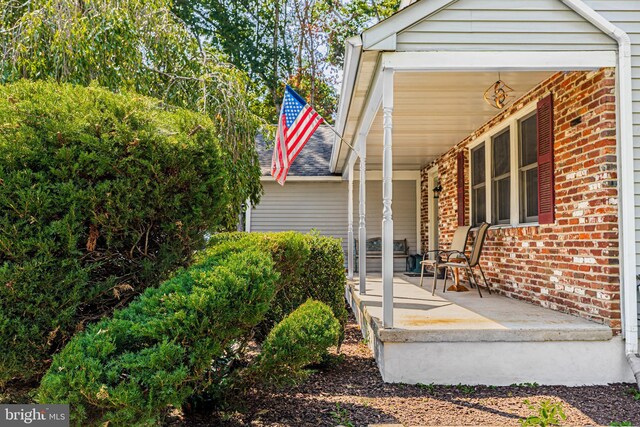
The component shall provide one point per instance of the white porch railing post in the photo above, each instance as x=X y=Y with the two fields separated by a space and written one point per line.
x=387 y=190
x=362 y=211
x=350 y=241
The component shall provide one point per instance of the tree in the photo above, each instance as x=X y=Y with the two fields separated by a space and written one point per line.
x=135 y=45
x=300 y=42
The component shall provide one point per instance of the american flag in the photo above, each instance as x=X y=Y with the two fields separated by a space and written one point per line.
x=298 y=121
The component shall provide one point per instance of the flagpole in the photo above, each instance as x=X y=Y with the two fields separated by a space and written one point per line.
x=338 y=135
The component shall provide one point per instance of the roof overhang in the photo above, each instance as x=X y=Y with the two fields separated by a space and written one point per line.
x=374 y=50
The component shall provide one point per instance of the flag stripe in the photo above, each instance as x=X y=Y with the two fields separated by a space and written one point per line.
x=297 y=123
x=299 y=132
x=305 y=134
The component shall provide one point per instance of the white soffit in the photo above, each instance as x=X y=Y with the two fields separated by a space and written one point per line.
x=434 y=111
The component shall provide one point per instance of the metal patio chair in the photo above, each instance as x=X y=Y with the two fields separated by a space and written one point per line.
x=467 y=262
x=458 y=244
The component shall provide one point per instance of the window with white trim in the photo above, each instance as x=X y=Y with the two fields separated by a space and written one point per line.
x=528 y=168
x=504 y=172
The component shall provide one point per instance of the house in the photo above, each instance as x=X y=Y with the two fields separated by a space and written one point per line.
x=313 y=198
x=555 y=170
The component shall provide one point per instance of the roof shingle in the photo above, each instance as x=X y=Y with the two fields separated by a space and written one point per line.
x=313 y=160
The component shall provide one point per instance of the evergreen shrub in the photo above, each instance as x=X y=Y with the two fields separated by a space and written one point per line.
x=160 y=350
x=101 y=195
x=300 y=339
x=310 y=266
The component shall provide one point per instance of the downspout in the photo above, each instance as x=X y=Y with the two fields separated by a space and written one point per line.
x=624 y=118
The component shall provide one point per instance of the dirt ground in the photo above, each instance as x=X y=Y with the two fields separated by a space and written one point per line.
x=350 y=392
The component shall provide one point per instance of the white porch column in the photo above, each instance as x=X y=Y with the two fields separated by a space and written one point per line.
x=362 y=212
x=350 y=242
x=247 y=216
x=387 y=189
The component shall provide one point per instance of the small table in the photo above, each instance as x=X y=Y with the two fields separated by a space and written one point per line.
x=457 y=287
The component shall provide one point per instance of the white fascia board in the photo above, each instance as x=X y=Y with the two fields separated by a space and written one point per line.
x=333 y=178
x=353 y=52
x=388 y=44
x=397 y=175
x=350 y=163
x=503 y=60
x=372 y=103
x=400 y=20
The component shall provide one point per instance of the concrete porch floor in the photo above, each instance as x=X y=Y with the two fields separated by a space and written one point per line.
x=458 y=337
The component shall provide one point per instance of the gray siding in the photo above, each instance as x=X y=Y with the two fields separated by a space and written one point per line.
x=505 y=25
x=302 y=206
x=404 y=217
x=625 y=14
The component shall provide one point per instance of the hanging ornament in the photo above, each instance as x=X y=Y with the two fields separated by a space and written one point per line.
x=498 y=94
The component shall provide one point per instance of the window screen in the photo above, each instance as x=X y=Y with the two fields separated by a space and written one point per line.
x=501 y=181
x=478 y=186
x=528 y=169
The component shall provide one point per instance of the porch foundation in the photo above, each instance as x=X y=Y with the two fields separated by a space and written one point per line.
x=456 y=338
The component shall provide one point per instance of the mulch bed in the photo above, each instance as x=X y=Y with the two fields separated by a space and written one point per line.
x=351 y=392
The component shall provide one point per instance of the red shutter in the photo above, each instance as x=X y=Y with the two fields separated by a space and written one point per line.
x=460 y=160
x=546 y=194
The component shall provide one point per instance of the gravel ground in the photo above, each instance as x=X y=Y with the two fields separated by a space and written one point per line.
x=350 y=392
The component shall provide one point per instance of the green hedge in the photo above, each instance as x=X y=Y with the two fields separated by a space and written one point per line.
x=299 y=340
x=160 y=349
x=101 y=195
x=310 y=266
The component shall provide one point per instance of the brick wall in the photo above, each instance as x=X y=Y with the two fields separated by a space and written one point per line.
x=571 y=265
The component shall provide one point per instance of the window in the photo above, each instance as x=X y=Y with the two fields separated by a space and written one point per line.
x=478 y=186
x=528 y=168
x=501 y=178
x=504 y=171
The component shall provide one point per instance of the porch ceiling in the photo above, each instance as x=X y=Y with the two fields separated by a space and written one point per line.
x=434 y=111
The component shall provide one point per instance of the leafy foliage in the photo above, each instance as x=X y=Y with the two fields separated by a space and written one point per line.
x=310 y=266
x=101 y=195
x=300 y=339
x=546 y=414
x=158 y=351
x=300 y=42
x=135 y=45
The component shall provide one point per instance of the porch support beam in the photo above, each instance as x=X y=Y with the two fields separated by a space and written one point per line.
x=350 y=241
x=362 y=212
x=499 y=61
x=387 y=189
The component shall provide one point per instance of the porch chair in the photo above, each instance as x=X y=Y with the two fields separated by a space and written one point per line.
x=461 y=260
x=458 y=244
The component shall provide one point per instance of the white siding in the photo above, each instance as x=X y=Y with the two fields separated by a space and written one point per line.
x=302 y=206
x=625 y=14
x=505 y=25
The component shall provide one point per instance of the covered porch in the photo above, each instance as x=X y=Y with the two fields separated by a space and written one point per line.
x=414 y=99
x=452 y=338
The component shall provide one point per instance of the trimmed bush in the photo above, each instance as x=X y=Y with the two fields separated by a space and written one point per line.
x=101 y=195
x=300 y=339
x=160 y=349
x=310 y=266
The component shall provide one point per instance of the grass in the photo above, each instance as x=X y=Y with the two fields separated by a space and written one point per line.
x=466 y=389
x=341 y=416
x=634 y=392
